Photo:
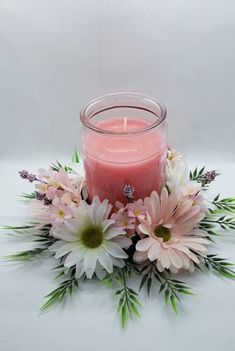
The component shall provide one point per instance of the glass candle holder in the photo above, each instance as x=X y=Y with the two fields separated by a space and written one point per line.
x=124 y=146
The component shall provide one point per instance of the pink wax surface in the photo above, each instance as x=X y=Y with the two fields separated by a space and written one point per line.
x=112 y=161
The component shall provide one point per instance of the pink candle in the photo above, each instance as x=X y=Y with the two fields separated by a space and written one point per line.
x=123 y=149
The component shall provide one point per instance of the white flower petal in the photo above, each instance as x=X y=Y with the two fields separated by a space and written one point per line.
x=90 y=263
x=100 y=271
x=79 y=270
x=73 y=225
x=118 y=262
x=114 y=249
x=113 y=232
x=75 y=256
x=122 y=241
x=64 y=250
x=107 y=223
x=105 y=260
x=62 y=233
x=57 y=245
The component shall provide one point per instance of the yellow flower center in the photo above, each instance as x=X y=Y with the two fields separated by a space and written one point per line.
x=125 y=224
x=60 y=213
x=137 y=212
x=92 y=236
x=162 y=232
x=43 y=188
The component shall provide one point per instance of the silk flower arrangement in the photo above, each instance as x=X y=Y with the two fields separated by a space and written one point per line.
x=152 y=238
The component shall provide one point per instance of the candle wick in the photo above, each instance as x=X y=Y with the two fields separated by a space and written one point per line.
x=125 y=124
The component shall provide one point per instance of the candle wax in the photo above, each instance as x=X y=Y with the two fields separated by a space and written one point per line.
x=112 y=161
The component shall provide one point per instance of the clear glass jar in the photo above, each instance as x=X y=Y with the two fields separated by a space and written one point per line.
x=123 y=143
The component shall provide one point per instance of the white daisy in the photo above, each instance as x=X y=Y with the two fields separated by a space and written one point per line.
x=90 y=241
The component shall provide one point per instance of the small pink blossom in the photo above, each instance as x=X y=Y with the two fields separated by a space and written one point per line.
x=59 y=212
x=123 y=221
x=137 y=209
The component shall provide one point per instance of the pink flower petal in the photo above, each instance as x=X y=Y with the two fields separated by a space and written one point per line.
x=144 y=244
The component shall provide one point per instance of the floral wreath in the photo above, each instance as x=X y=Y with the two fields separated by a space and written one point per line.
x=152 y=238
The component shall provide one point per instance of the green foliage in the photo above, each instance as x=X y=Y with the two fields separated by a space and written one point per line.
x=21 y=227
x=26 y=255
x=44 y=239
x=128 y=304
x=28 y=196
x=226 y=205
x=75 y=157
x=65 y=289
x=171 y=288
x=212 y=220
x=197 y=175
x=56 y=166
x=200 y=176
x=219 y=265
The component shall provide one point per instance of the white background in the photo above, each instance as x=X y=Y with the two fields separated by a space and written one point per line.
x=55 y=56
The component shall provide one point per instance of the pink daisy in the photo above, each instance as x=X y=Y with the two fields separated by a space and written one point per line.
x=172 y=236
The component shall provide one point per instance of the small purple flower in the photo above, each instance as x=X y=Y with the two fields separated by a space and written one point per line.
x=128 y=191
x=39 y=196
x=47 y=201
x=32 y=178
x=209 y=177
x=26 y=175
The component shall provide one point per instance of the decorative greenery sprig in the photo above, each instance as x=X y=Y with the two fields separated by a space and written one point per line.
x=205 y=178
x=128 y=304
x=226 y=205
x=65 y=288
x=57 y=165
x=29 y=196
x=172 y=288
x=220 y=265
x=223 y=221
x=44 y=238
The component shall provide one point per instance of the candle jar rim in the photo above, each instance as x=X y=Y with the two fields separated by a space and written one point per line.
x=129 y=100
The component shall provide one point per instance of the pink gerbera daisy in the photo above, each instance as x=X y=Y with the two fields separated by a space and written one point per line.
x=173 y=238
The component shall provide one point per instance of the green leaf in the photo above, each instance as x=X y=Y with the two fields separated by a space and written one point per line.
x=149 y=284
x=22 y=227
x=135 y=300
x=65 y=288
x=162 y=287
x=134 y=309
x=25 y=255
x=143 y=280
x=120 y=303
x=167 y=293
x=185 y=291
x=28 y=195
x=75 y=157
x=174 y=304
x=118 y=292
x=123 y=316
